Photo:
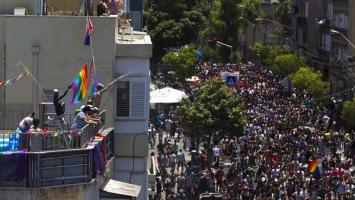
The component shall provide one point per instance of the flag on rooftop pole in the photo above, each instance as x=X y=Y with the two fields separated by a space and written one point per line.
x=80 y=85
x=89 y=30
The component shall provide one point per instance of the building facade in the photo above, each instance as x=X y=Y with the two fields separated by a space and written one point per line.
x=323 y=32
x=52 y=48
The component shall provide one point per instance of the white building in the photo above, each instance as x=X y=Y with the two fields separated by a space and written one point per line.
x=53 y=50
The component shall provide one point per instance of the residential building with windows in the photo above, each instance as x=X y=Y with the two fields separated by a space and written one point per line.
x=321 y=30
x=52 y=47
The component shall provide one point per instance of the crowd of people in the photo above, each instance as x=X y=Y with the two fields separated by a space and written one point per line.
x=286 y=130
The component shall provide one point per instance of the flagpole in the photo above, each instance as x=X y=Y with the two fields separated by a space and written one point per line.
x=34 y=79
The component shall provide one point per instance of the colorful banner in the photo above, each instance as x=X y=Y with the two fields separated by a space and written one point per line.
x=13 y=80
x=80 y=85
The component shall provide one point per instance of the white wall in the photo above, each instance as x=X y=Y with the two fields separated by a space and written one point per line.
x=61 y=53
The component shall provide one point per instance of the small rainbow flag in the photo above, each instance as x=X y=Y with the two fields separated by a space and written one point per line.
x=80 y=85
x=313 y=166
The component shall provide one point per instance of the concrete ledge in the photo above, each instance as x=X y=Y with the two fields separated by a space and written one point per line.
x=74 y=192
x=140 y=47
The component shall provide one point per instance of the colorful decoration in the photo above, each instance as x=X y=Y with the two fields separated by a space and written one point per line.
x=313 y=167
x=80 y=85
x=89 y=30
x=13 y=80
x=94 y=85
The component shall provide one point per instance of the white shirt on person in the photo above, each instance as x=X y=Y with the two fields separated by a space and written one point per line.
x=26 y=123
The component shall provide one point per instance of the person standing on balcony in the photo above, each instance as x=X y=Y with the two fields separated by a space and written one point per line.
x=102 y=8
x=60 y=108
x=101 y=89
x=26 y=123
x=83 y=118
x=113 y=6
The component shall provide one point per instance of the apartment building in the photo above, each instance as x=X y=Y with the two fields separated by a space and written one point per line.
x=324 y=33
x=52 y=47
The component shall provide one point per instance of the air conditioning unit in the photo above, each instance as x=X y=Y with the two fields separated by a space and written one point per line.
x=20 y=11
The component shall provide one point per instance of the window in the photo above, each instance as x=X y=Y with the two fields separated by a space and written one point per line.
x=131 y=98
x=122 y=98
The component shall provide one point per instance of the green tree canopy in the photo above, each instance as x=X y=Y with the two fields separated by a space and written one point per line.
x=286 y=64
x=172 y=24
x=268 y=53
x=214 y=108
x=348 y=113
x=283 y=12
x=310 y=80
x=182 y=62
x=225 y=22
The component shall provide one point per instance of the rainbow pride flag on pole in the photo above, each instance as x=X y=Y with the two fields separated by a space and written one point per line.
x=80 y=85
x=313 y=167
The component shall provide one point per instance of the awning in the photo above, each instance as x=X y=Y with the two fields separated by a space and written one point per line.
x=167 y=95
x=122 y=188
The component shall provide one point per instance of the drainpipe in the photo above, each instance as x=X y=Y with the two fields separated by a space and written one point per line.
x=35 y=72
x=3 y=73
x=3 y=98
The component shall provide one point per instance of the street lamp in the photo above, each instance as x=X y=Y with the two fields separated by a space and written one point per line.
x=332 y=31
x=274 y=22
x=342 y=35
x=214 y=41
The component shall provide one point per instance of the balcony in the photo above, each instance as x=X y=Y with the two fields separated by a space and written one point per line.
x=323 y=53
x=44 y=159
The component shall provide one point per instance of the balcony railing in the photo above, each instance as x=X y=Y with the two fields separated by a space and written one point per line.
x=44 y=160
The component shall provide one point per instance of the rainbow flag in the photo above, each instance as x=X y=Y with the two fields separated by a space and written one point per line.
x=313 y=167
x=80 y=85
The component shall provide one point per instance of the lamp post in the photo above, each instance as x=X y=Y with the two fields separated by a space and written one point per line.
x=274 y=22
x=226 y=45
x=342 y=35
x=214 y=41
x=332 y=31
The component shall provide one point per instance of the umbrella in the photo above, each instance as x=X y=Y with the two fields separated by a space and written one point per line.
x=167 y=95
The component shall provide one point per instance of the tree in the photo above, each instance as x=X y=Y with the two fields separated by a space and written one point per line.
x=268 y=53
x=308 y=79
x=225 y=22
x=286 y=64
x=182 y=62
x=283 y=12
x=173 y=24
x=348 y=113
x=214 y=108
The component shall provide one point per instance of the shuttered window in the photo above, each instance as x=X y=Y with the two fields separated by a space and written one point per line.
x=122 y=98
x=131 y=98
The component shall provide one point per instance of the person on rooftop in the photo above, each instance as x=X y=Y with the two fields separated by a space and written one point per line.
x=97 y=96
x=60 y=107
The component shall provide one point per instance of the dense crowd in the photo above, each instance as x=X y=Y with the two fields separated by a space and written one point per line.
x=286 y=129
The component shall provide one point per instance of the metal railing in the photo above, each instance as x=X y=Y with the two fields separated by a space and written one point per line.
x=46 y=169
x=50 y=140
x=41 y=169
